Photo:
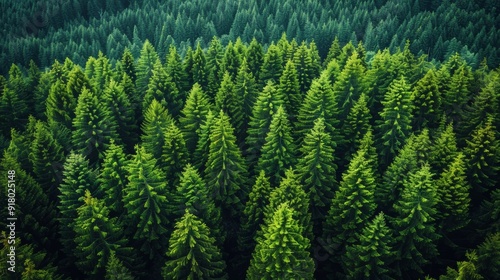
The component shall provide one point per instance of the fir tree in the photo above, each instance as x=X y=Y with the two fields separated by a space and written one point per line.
x=161 y=88
x=334 y=51
x=444 y=150
x=255 y=57
x=304 y=65
x=192 y=252
x=115 y=270
x=245 y=88
x=200 y=72
x=283 y=251
x=227 y=101
x=214 y=57
x=174 y=155
x=97 y=236
x=113 y=178
x=371 y=256
x=231 y=61
x=175 y=70
x=60 y=105
x=357 y=124
x=145 y=199
x=290 y=90
x=156 y=121
x=145 y=66
x=128 y=64
x=278 y=151
x=416 y=239
x=395 y=125
x=193 y=115
x=272 y=66
x=317 y=169
x=200 y=156
x=94 y=127
x=427 y=101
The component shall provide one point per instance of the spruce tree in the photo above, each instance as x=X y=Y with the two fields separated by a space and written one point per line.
x=283 y=251
x=77 y=178
x=174 y=69
x=356 y=125
x=227 y=101
x=290 y=90
x=156 y=121
x=444 y=150
x=200 y=71
x=94 y=127
x=333 y=52
x=395 y=126
x=427 y=101
x=453 y=196
x=97 y=236
x=145 y=66
x=214 y=57
x=192 y=252
x=245 y=88
x=231 y=61
x=278 y=151
x=145 y=199
x=255 y=58
x=304 y=65
x=416 y=239
x=174 y=156
x=371 y=256
x=200 y=156
x=317 y=170
x=192 y=194
x=272 y=66
x=113 y=178
x=60 y=105
x=193 y=115
x=122 y=113
x=115 y=270
x=161 y=88
x=128 y=64
x=225 y=172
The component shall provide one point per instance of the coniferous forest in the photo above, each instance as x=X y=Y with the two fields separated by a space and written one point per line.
x=255 y=139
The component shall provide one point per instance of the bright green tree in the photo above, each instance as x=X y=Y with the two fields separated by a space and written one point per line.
x=94 y=127
x=145 y=66
x=192 y=252
x=226 y=172
x=200 y=72
x=113 y=178
x=115 y=270
x=333 y=52
x=290 y=90
x=97 y=236
x=193 y=115
x=60 y=105
x=414 y=224
x=444 y=149
x=255 y=57
x=395 y=126
x=231 y=61
x=174 y=69
x=283 y=251
x=214 y=56
x=304 y=65
x=146 y=199
x=356 y=125
x=245 y=88
x=317 y=169
x=371 y=256
x=128 y=64
x=156 y=121
x=272 y=66
x=200 y=156
x=278 y=151
x=227 y=101
x=174 y=156
x=77 y=178
x=163 y=89
x=427 y=101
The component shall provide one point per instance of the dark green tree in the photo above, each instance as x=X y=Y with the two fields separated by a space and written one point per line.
x=145 y=66
x=371 y=256
x=227 y=101
x=444 y=150
x=128 y=64
x=200 y=156
x=115 y=270
x=317 y=170
x=192 y=252
x=174 y=69
x=114 y=178
x=146 y=199
x=304 y=65
x=97 y=236
x=200 y=71
x=245 y=88
x=427 y=102
x=289 y=88
x=356 y=125
x=255 y=57
x=214 y=56
x=334 y=51
x=278 y=151
x=231 y=61
x=414 y=224
x=175 y=155
x=162 y=89
x=395 y=126
x=60 y=105
x=94 y=127
x=156 y=121
x=283 y=251
x=272 y=66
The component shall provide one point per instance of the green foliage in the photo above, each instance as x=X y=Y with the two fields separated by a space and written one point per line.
x=228 y=101
x=272 y=66
x=145 y=66
x=94 y=128
x=145 y=199
x=115 y=270
x=371 y=257
x=174 y=155
x=161 y=88
x=278 y=151
x=156 y=121
x=175 y=71
x=192 y=252
x=427 y=101
x=303 y=62
x=488 y=256
x=290 y=90
x=416 y=210
x=113 y=178
x=245 y=87
x=200 y=156
x=444 y=150
x=283 y=252
x=356 y=124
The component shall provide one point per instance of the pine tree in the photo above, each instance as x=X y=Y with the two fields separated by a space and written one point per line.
x=227 y=101
x=200 y=156
x=161 y=88
x=145 y=66
x=94 y=127
x=488 y=256
x=200 y=72
x=482 y=159
x=115 y=270
x=192 y=252
x=457 y=94
x=444 y=150
x=427 y=101
x=60 y=105
x=453 y=196
x=225 y=171
x=304 y=65
x=231 y=61
x=77 y=178
x=187 y=66
x=113 y=178
x=193 y=115
x=45 y=152
x=97 y=236
x=319 y=102
x=156 y=121
x=395 y=125
x=245 y=88
x=272 y=66
x=416 y=239
x=283 y=252
x=317 y=169
x=352 y=205
x=268 y=101
x=255 y=58
x=13 y=110
x=192 y=194
x=146 y=199
x=253 y=214
x=175 y=70
x=289 y=88
x=333 y=52
x=128 y=64
x=214 y=57
x=174 y=156
x=278 y=151
x=356 y=125
x=121 y=112
x=371 y=256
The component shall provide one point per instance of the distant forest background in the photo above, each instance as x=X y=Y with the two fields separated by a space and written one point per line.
x=56 y=29
x=257 y=140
